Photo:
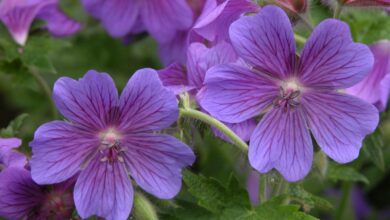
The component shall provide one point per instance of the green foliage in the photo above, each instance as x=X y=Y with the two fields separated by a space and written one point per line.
x=373 y=146
x=14 y=126
x=306 y=199
x=345 y=173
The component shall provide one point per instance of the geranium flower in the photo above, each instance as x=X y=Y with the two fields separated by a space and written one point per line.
x=18 y=15
x=109 y=137
x=375 y=87
x=199 y=60
x=296 y=94
x=160 y=18
x=9 y=157
x=22 y=198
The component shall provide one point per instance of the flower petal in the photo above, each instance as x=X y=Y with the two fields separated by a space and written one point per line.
x=174 y=78
x=90 y=101
x=9 y=157
x=163 y=18
x=370 y=88
x=59 y=151
x=18 y=16
x=200 y=59
x=243 y=130
x=155 y=162
x=339 y=122
x=282 y=141
x=234 y=94
x=119 y=17
x=215 y=25
x=104 y=189
x=145 y=104
x=19 y=194
x=331 y=59
x=266 y=41
x=58 y=23
x=9 y=143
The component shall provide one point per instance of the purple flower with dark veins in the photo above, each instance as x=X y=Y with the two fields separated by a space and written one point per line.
x=199 y=60
x=22 y=198
x=107 y=138
x=375 y=87
x=296 y=94
x=123 y=17
x=9 y=157
x=18 y=16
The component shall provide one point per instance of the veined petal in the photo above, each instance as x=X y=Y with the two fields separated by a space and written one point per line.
x=19 y=194
x=331 y=59
x=282 y=141
x=117 y=16
x=200 y=59
x=18 y=15
x=373 y=88
x=266 y=41
x=234 y=94
x=58 y=23
x=339 y=123
x=174 y=50
x=163 y=18
x=90 y=101
x=145 y=104
x=174 y=78
x=243 y=130
x=104 y=189
x=59 y=151
x=155 y=162
x=215 y=25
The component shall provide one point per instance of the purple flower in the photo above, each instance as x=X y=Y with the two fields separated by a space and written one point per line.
x=22 y=198
x=109 y=137
x=199 y=60
x=296 y=94
x=160 y=18
x=18 y=15
x=9 y=157
x=211 y=24
x=375 y=87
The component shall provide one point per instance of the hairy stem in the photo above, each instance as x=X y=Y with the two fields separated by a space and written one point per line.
x=346 y=188
x=186 y=112
x=337 y=10
x=300 y=39
x=263 y=188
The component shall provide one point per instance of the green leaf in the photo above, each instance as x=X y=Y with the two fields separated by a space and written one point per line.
x=373 y=146
x=308 y=200
x=14 y=126
x=345 y=173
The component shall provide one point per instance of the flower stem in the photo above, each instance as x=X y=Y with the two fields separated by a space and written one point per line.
x=263 y=188
x=46 y=89
x=186 y=112
x=299 y=38
x=337 y=10
x=346 y=188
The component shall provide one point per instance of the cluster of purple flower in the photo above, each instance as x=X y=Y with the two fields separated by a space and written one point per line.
x=237 y=62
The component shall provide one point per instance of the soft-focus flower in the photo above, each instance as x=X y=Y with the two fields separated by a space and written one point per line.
x=160 y=18
x=22 y=198
x=109 y=137
x=199 y=60
x=18 y=15
x=9 y=157
x=375 y=87
x=211 y=25
x=296 y=94
x=292 y=6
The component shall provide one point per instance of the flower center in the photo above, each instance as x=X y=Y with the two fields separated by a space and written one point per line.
x=110 y=146
x=289 y=95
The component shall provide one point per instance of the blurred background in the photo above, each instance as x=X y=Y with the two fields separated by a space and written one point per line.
x=368 y=194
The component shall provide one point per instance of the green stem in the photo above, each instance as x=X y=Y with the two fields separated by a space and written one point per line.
x=299 y=38
x=346 y=188
x=263 y=188
x=46 y=89
x=186 y=112
x=306 y=22
x=337 y=10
